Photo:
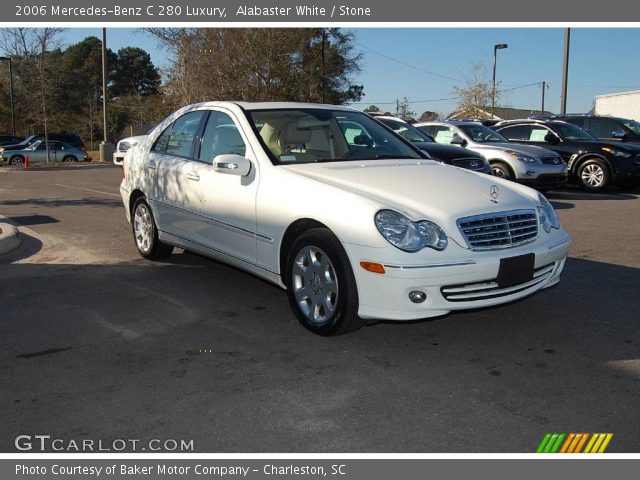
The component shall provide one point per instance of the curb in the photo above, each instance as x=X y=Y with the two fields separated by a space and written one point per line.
x=9 y=237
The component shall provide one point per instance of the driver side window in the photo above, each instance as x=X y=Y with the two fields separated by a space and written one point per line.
x=539 y=134
x=442 y=134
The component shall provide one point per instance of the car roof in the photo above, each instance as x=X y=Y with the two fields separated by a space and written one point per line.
x=390 y=117
x=449 y=122
x=277 y=105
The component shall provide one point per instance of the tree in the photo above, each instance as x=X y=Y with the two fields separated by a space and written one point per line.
x=372 y=108
x=306 y=64
x=477 y=91
x=134 y=73
x=428 y=116
x=404 y=110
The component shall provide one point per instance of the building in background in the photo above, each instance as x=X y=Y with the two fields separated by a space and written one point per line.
x=622 y=104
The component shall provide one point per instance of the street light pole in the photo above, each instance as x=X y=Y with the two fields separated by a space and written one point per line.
x=13 y=113
x=497 y=47
x=565 y=71
x=104 y=84
x=544 y=86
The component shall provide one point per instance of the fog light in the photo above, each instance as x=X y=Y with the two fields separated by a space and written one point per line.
x=416 y=296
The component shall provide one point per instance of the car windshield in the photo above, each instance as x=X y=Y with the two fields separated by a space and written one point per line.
x=308 y=135
x=632 y=125
x=481 y=134
x=574 y=133
x=406 y=131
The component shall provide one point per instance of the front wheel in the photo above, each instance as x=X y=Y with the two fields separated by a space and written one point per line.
x=501 y=170
x=593 y=175
x=70 y=158
x=321 y=286
x=16 y=160
x=145 y=233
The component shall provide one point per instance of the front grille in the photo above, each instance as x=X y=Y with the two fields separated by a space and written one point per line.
x=489 y=289
x=552 y=160
x=123 y=146
x=469 y=163
x=499 y=230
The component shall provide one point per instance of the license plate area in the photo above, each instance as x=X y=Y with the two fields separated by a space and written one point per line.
x=516 y=270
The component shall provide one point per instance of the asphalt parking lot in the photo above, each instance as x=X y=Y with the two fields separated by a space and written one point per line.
x=97 y=343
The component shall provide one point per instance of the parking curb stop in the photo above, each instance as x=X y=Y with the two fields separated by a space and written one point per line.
x=9 y=236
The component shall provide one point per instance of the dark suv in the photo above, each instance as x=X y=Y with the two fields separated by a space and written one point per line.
x=611 y=129
x=593 y=163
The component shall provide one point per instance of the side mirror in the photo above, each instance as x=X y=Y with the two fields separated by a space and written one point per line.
x=619 y=135
x=551 y=138
x=232 y=164
x=458 y=140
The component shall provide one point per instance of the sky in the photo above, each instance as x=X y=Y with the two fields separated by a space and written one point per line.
x=424 y=64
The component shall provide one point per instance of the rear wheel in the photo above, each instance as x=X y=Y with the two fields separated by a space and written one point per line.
x=322 y=289
x=501 y=170
x=16 y=160
x=145 y=233
x=593 y=175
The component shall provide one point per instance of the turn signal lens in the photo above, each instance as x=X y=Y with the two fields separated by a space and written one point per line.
x=372 y=267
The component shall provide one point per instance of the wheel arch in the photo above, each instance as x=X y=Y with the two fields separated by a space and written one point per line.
x=501 y=161
x=293 y=231
x=575 y=166
x=133 y=197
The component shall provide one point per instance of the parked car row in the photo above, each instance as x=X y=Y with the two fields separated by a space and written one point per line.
x=350 y=215
x=63 y=147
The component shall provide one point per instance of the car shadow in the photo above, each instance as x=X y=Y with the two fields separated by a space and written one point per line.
x=64 y=202
x=575 y=193
x=178 y=348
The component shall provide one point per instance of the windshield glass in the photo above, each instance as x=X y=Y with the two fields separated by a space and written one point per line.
x=574 y=133
x=481 y=134
x=318 y=135
x=406 y=131
x=632 y=125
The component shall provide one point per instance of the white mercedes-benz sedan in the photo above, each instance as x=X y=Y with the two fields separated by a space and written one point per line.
x=351 y=219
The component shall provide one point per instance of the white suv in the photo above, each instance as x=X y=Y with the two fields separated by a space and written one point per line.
x=329 y=204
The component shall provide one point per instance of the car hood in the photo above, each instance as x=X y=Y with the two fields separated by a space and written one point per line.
x=420 y=188
x=529 y=150
x=446 y=153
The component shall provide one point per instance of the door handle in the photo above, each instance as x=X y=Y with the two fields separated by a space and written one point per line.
x=151 y=165
x=193 y=176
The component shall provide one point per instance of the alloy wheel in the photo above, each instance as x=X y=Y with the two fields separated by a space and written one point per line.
x=315 y=284
x=143 y=228
x=592 y=175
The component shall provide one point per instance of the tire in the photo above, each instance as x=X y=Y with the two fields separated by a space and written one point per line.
x=70 y=158
x=593 y=175
x=16 y=160
x=501 y=170
x=145 y=233
x=325 y=299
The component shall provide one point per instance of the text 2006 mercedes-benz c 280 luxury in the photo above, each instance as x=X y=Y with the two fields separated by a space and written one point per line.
x=354 y=221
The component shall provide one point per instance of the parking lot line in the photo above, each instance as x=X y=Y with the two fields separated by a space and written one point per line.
x=88 y=190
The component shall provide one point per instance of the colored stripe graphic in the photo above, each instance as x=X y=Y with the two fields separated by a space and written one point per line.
x=574 y=443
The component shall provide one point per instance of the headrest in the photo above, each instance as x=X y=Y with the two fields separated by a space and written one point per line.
x=292 y=134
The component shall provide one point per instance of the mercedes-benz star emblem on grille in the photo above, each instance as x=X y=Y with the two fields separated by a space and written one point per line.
x=494 y=193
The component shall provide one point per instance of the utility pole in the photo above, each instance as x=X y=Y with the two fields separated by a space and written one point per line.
x=544 y=86
x=13 y=113
x=397 y=107
x=565 y=71
x=322 y=80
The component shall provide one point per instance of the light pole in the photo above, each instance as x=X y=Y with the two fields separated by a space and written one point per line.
x=544 y=86
x=13 y=113
x=105 y=148
x=497 y=47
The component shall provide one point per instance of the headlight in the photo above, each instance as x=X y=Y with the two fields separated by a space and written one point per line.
x=616 y=153
x=407 y=235
x=520 y=156
x=548 y=216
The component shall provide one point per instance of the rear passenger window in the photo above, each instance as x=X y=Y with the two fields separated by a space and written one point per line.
x=517 y=132
x=184 y=131
x=221 y=137
x=161 y=143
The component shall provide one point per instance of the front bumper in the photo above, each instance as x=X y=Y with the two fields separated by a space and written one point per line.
x=460 y=280
x=540 y=173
